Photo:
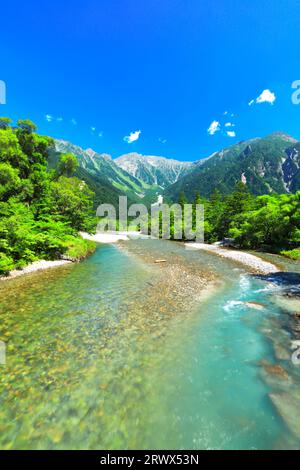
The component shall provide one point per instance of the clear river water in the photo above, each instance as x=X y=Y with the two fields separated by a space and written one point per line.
x=109 y=354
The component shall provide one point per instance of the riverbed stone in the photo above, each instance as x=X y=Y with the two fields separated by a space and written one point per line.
x=275 y=370
x=255 y=305
x=289 y=304
x=287 y=405
x=281 y=352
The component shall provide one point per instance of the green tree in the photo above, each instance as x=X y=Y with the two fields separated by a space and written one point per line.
x=273 y=223
x=67 y=165
x=10 y=182
x=5 y=122
x=182 y=199
x=11 y=151
x=197 y=201
x=72 y=201
x=26 y=125
x=238 y=201
x=214 y=209
x=40 y=213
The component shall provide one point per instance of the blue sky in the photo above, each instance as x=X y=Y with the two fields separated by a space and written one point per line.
x=158 y=72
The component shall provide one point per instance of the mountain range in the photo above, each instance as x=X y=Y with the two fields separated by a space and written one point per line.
x=102 y=174
x=267 y=165
x=154 y=170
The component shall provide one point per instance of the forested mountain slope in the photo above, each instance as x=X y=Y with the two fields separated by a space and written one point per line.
x=268 y=165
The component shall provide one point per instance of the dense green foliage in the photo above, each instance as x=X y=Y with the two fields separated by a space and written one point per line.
x=41 y=211
x=292 y=254
x=253 y=222
x=269 y=165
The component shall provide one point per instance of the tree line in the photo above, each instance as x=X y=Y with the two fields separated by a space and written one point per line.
x=41 y=209
x=268 y=222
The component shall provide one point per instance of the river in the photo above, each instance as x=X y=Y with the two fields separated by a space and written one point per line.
x=118 y=352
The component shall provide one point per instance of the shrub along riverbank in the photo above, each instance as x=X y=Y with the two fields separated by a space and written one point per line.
x=266 y=223
x=41 y=210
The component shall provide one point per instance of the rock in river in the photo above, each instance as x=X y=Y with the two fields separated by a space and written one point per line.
x=288 y=406
x=275 y=369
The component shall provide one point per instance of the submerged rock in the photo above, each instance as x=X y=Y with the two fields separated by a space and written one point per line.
x=255 y=305
x=281 y=352
x=289 y=304
x=275 y=370
x=288 y=407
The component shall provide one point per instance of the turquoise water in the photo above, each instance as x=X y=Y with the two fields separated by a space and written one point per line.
x=109 y=354
x=222 y=402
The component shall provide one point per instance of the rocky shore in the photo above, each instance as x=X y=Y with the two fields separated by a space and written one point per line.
x=254 y=263
x=112 y=237
x=33 y=267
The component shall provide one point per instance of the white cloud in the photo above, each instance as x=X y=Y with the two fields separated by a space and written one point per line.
x=93 y=129
x=132 y=137
x=266 y=96
x=231 y=133
x=100 y=134
x=51 y=118
x=74 y=122
x=225 y=113
x=214 y=127
x=229 y=124
x=162 y=141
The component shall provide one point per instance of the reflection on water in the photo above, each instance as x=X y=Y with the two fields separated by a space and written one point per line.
x=117 y=352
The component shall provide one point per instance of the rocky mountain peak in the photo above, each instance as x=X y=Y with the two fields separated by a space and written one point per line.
x=283 y=136
x=90 y=152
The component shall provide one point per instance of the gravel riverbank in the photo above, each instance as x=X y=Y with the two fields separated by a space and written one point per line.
x=254 y=263
x=36 y=266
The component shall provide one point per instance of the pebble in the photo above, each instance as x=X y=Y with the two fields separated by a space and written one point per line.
x=254 y=262
x=36 y=266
